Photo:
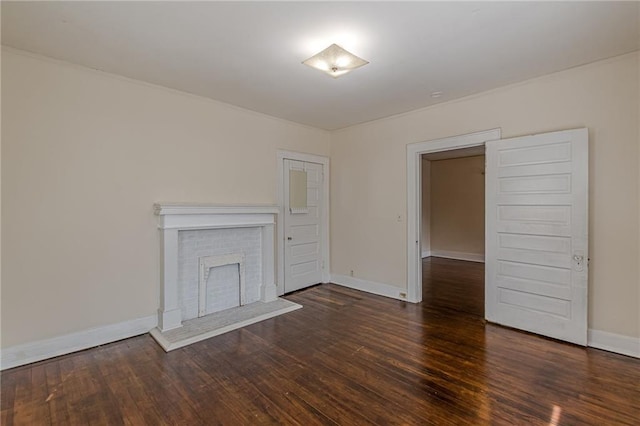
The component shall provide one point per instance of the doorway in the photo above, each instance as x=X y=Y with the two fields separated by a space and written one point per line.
x=453 y=230
x=414 y=197
x=303 y=221
x=536 y=229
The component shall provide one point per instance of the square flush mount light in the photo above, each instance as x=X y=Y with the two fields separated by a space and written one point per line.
x=335 y=61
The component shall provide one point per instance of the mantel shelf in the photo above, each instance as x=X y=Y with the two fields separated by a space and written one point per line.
x=162 y=209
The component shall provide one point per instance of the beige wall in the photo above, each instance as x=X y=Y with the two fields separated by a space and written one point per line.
x=457 y=205
x=85 y=156
x=368 y=166
x=1 y=314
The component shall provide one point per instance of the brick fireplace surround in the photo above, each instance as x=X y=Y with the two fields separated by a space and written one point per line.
x=197 y=237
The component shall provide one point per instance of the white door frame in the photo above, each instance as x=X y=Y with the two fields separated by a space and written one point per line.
x=324 y=214
x=414 y=197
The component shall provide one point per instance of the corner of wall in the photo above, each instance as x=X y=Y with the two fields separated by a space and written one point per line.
x=380 y=289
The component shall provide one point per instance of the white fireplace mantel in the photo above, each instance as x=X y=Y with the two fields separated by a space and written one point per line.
x=175 y=217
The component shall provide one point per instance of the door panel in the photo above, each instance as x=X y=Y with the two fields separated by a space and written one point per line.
x=556 y=184
x=302 y=229
x=536 y=234
x=547 y=281
x=535 y=154
x=535 y=302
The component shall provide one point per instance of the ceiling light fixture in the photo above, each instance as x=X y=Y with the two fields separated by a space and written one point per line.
x=335 y=61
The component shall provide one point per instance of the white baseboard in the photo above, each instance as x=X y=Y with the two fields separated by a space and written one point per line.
x=426 y=253
x=612 y=342
x=471 y=257
x=37 y=351
x=381 y=289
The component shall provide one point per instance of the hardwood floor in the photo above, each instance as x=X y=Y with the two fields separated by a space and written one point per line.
x=453 y=285
x=346 y=358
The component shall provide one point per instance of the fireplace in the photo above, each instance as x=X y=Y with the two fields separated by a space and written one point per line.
x=217 y=270
x=214 y=297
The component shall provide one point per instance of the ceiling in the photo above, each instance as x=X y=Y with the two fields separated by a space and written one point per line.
x=249 y=54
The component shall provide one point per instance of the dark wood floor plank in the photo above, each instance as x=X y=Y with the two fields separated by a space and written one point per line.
x=55 y=398
x=347 y=357
x=7 y=396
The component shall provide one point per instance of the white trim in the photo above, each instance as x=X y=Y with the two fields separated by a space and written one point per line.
x=612 y=342
x=324 y=237
x=162 y=209
x=209 y=216
x=471 y=257
x=414 y=186
x=426 y=253
x=48 y=348
x=381 y=289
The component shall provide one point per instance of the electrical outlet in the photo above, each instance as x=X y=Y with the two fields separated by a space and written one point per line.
x=403 y=295
x=351 y=273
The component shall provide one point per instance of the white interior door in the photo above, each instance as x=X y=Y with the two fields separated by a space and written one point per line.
x=537 y=234
x=302 y=225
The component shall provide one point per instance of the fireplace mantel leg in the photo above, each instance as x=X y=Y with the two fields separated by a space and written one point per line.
x=268 y=290
x=169 y=314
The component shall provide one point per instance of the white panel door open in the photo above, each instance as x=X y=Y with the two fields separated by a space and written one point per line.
x=302 y=224
x=537 y=234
